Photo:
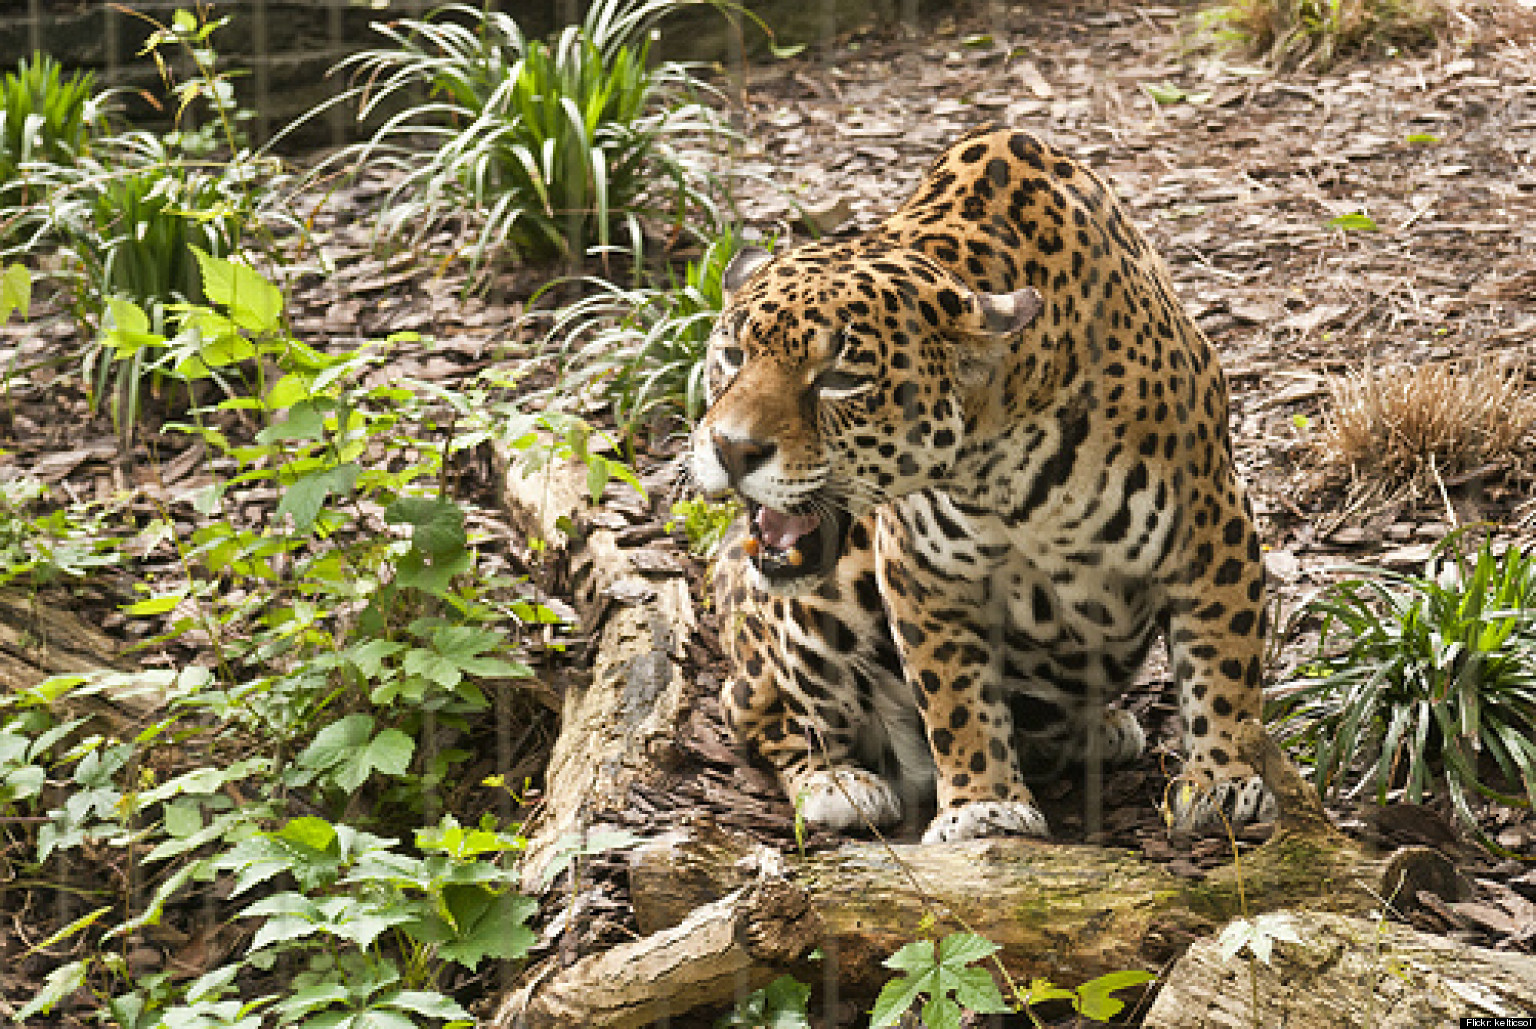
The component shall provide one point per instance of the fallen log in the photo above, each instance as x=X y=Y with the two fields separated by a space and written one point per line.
x=722 y=951
x=1345 y=971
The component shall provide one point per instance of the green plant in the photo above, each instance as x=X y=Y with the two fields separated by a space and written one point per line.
x=38 y=546
x=45 y=118
x=704 y=522
x=643 y=346
x=942 y=975
x=345 y=649
x=130 y=213
x=779 y=1005
x=1424 y=676
x=1094 y=999
x=553 y=143
x=1315 y=33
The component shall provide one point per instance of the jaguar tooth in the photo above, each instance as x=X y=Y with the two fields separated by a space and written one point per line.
x=794 y=558
x=750 y=546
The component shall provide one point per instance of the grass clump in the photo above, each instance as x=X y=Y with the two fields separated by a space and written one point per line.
x=1424 y=683
x=555 y=144
x=642 y=347
x=1316 y=33
x=45 y=117
x=1403 y=425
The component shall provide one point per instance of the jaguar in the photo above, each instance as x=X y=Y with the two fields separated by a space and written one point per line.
x=985 y=463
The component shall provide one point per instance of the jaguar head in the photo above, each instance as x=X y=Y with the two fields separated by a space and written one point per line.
x=840 y=377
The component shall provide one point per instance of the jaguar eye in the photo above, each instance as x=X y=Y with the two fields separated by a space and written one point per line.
x=833 y=384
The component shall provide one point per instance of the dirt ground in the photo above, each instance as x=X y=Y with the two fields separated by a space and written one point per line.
x=1235 y=183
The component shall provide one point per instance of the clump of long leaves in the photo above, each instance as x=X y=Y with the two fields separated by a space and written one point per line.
x=1424 y=680
x=555 y=144
x=45 y=116
x=127 y=219
x=642 y=346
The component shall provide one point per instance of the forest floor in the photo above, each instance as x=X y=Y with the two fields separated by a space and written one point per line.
x=1235 y=180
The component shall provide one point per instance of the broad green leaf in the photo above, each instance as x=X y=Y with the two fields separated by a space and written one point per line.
x=254 y=303
x=958 y=949
x=941 y=1013
x=430 y=1005
x=917 y=956
x=306 y=420
x=437 y=525
x=309 y=831
x=487 y=925
x=15 y=292
x=977 y=991
x=1094 y=1000
x=895 y=999
x=282 y=929
x=337 y=741
x=304 y=497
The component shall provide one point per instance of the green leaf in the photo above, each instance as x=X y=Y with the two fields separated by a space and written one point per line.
x=1423 y=137
x=306 y=420
x=895 y=1000
x=337 y=741
x=60 y=983
x=977 y=991
x=1356 y=222
x=1163 y=92
x=157 y=605
x=958 y=949
x=916 y=957
x=941 y=1013
x=15 y=292
x=304 y=497
x=309 y=831
x=488 y=925
x=254 y=303
x=429 y=1005
x=437 y=525
x=1094 y=1000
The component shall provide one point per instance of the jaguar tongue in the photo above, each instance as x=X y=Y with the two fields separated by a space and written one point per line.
x=781 y=531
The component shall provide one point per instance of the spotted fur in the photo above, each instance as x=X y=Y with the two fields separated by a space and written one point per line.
x=986 y=460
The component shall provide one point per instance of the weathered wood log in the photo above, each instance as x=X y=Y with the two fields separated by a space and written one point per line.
x=621 y=726
x=1062 y=911
x=40 y=639
x=1346 y=972
x=722 y=951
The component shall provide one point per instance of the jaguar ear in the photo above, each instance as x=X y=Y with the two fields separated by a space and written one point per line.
x=1007 y=314
x=742 y=267
x=990 y=324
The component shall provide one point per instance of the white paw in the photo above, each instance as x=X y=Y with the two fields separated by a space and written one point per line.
x=1238 y=801
x=1123 y=738
x=851 y=799
x=982 y=818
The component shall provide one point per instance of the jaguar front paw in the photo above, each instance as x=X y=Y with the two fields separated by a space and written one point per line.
x=982 y=818
x=846 y=799
x=1228 y=802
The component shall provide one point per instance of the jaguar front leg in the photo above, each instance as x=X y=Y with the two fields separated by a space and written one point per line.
x=1216 y=633
x=950 y=636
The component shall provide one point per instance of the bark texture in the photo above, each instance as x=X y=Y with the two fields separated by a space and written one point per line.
x=1346 y=972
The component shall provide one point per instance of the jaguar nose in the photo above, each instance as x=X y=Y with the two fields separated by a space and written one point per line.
x=740 y=457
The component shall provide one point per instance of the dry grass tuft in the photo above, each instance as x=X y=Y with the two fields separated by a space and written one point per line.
x=1402 y=424
x=1316 y=33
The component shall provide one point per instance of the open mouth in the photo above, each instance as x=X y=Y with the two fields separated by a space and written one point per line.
x=788 y=547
